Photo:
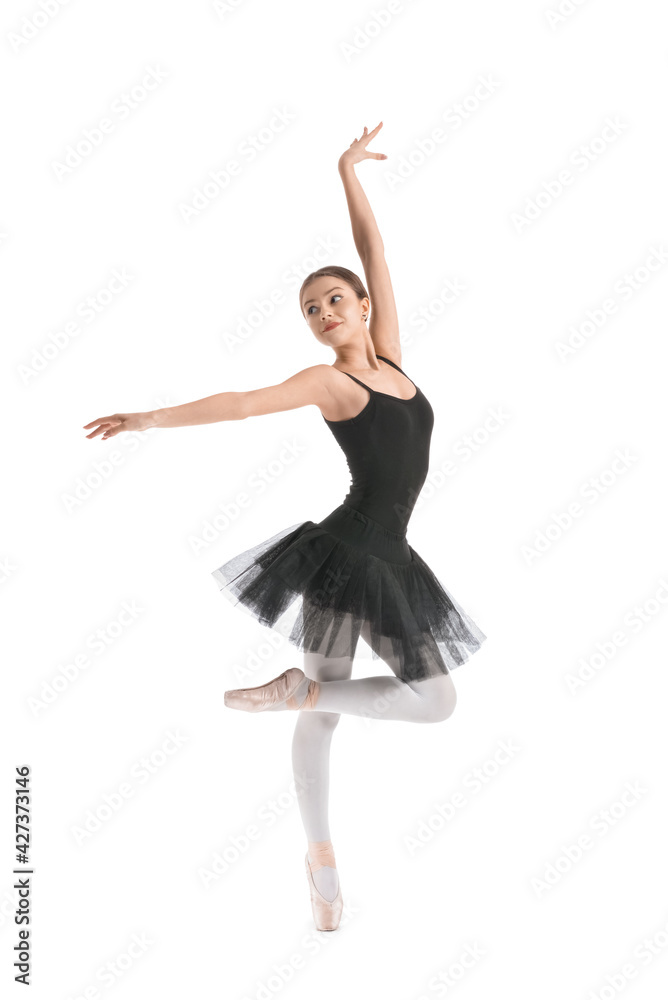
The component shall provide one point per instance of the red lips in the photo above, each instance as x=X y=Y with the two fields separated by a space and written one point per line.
x=331 y=326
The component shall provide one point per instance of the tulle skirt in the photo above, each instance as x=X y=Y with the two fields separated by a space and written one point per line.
x=324 y=584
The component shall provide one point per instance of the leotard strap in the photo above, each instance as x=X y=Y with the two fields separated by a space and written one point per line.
x=359 y=381
x=393 y=365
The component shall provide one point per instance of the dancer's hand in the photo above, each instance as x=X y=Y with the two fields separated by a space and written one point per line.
x=109 y=426
x=358 y=150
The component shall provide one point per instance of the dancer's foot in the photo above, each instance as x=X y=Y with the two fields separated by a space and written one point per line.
x=326 y=881
x=326 y=901
x=290 y=690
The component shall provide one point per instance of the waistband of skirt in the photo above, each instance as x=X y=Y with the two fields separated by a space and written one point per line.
x=366 y=535
x=356 y=514
x=361 y=525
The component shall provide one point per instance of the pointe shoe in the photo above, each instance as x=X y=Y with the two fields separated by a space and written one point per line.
x=280 y=689
x=326 y=915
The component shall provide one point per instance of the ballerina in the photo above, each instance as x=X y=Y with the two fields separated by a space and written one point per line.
x=352 y=574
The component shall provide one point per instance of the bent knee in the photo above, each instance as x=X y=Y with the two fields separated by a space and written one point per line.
x=440 y=700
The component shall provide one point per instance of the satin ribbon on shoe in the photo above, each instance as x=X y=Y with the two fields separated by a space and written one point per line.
x=322 y=853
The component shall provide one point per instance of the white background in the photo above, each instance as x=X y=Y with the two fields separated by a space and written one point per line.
x=73 y=556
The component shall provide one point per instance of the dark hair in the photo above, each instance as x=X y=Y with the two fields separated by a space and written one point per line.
x=335 y=272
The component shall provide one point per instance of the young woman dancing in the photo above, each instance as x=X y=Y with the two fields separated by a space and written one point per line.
x=353 y=574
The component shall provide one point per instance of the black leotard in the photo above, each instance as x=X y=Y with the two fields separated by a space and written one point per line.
x=387 y=449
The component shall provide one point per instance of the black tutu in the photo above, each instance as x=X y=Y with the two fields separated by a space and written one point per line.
x=323 y=585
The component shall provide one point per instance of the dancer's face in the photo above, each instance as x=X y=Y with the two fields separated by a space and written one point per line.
x=329 y=300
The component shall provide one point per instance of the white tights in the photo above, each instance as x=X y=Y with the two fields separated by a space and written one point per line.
x=431 y=700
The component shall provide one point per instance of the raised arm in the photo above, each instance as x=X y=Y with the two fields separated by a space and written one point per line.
x=311 y=385
x=362 y=220
x=384 y=322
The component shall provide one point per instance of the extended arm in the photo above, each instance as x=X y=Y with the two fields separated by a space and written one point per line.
x=209 y=410
x=311 y=385
x=384 y=322
x=305 y=387
x=366 y=233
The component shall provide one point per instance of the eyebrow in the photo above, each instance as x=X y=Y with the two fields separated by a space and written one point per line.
x=326 y=293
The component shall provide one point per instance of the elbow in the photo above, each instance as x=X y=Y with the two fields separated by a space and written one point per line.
x=239 y=406
x=371 y=251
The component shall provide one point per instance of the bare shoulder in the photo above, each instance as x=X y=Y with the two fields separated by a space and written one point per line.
x=310 y=386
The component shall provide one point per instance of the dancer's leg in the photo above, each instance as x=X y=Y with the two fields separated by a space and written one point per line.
x=311 y=744
x=430 y=700
x=374 y=697
x=310 y=760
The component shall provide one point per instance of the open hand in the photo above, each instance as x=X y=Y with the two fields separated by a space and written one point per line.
x=109 y=426
x=358 y=150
